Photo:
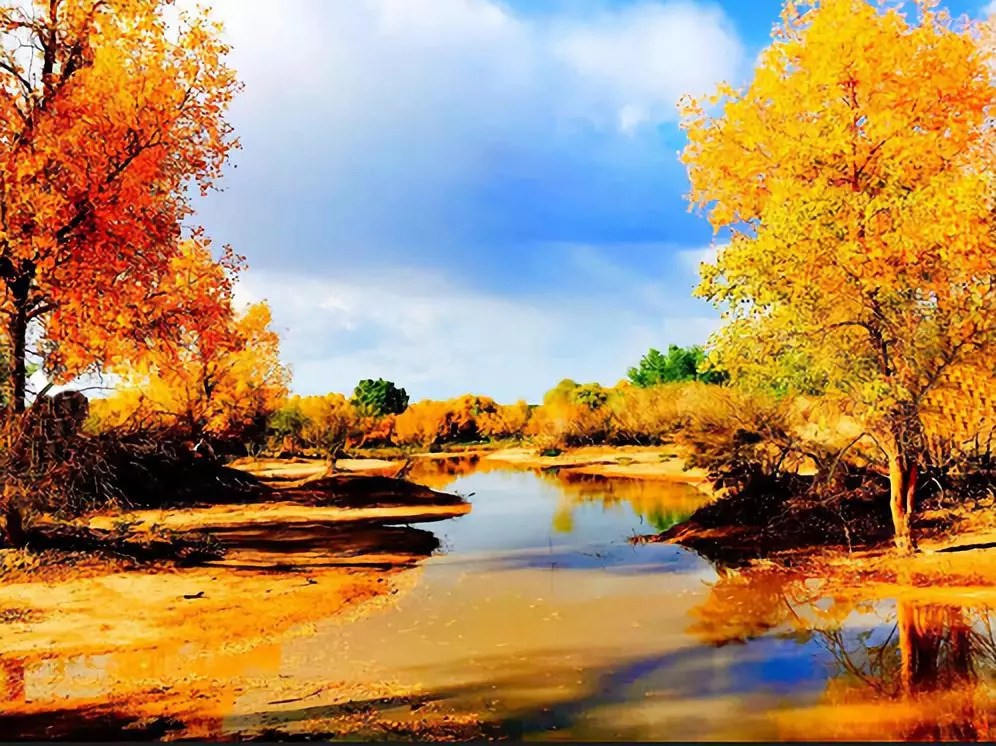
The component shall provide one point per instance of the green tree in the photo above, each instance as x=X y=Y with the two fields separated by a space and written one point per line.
x=679 y=364
x=380 y=397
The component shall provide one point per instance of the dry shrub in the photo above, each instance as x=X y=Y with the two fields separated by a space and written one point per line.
x=424 y=423
x=42 y=465
x=329 y=421
x=431 y=423
x=507 y=421
x=568 y=424
x=373 y=431
x=50 y=465
x=646 y=416
x=744 y=439
x=752 y=445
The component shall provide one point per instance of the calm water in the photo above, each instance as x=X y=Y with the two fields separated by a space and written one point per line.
x=540 y=615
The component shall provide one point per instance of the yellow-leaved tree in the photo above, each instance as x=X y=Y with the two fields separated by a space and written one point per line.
x=223 y=379
x=856 y=176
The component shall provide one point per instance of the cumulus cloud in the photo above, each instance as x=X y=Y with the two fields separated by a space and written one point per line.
x=370 y=60
x=375 y=128
x=641 y=59
x=404 y=161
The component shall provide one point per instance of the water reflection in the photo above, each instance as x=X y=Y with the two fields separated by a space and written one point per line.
x=441 y=470
x=540 y=620
x=895 y=669
x=660 y=504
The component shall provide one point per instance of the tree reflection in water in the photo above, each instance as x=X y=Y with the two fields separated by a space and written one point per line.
x=901 y=670
x=661 y=503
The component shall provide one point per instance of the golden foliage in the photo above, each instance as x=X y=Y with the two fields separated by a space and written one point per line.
x=861 y=200
x=219 y=380
x=107 y=116
x=325 y=423
x=508 y=420
x=428 y=423
x=856 y=174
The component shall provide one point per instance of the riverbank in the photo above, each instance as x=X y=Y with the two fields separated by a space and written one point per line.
x=666 y=463
x=94 y=643
x=281 y=636
x=86 y=637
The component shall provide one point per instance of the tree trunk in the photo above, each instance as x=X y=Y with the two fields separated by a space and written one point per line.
x=19 y=286
x=18 y=329
x=13 y=526
x=902 y=489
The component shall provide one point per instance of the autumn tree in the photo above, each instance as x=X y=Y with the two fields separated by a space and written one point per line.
x=220 y=379
x=321 y=423
x=109 y=113
x=431 y=423
x=855 y=174
x=506 y=421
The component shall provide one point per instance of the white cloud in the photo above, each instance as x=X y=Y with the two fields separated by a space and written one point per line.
x=377 y=117
x=376 y=59
x=376 y=131
x=440 y=340
x=989 y=10
x=643 y=58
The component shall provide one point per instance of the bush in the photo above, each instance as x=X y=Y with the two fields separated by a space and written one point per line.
x=507 y=421
x=50 y=464
x=41 y=462
x=314 y=423
x=427 y=423
x=646 y=416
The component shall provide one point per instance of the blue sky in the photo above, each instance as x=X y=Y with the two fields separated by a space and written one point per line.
x=473 y=195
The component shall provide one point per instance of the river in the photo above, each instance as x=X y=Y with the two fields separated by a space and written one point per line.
x=537 y=618
x=540 y=615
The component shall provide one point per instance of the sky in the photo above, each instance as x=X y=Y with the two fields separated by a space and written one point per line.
x=473 y=195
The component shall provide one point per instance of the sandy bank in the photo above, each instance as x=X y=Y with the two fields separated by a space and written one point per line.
x=628 y=462
x=635 y=462
x=113 y=634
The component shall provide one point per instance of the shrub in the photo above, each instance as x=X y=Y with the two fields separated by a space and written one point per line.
x=429 y=422
x=645 y=416
x=508 y=420
x=317 y=423
x=569 y=424
x=743 y=439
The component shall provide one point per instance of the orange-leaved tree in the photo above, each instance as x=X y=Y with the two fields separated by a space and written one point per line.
x=220 y=378
x=856 y=175
x=109 y=112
